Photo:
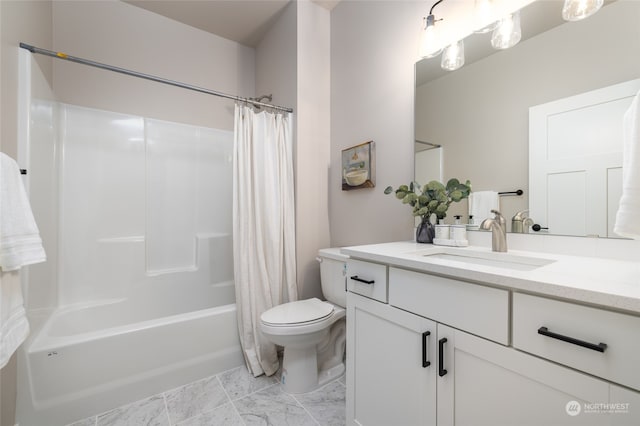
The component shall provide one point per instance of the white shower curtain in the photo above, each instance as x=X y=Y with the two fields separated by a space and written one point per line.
x=263 y=227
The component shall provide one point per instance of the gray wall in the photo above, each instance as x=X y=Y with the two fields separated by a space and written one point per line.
x=374 y=45
x=292 y=63
x=312 y=144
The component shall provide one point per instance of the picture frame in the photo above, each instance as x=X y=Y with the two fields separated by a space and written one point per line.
x=358 y=166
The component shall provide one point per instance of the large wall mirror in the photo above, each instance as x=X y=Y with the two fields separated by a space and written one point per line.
x=479 y=115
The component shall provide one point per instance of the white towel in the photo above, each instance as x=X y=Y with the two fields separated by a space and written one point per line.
x=628 y=216
x=20 y=245
x=14 y=327
x=481 y=203
x=20 y=242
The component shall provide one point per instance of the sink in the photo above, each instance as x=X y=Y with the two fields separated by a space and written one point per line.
x=493 y=259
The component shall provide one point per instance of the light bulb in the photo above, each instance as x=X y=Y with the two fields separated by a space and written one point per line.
x=429 y=40
x=453 y=56
x=508 y=33
x=482 y=14
x=575 y=10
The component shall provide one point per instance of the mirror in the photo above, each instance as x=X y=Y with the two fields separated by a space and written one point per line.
x=479 y=114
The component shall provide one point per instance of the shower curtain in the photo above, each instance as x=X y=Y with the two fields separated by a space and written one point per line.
x=263 y=227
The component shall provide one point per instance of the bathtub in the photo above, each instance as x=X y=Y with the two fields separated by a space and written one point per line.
x=89 y=358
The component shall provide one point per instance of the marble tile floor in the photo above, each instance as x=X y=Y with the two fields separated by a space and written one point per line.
x=231 y=398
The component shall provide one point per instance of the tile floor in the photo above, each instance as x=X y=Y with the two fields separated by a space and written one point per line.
x=231 y=398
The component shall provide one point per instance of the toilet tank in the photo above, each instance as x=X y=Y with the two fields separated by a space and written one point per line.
x=333 y=275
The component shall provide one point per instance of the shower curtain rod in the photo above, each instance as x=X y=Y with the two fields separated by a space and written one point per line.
x=66 y=57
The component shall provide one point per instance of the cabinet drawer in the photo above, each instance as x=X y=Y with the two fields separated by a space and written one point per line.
x=367 y=279
x=600 y=342
x=477 y=309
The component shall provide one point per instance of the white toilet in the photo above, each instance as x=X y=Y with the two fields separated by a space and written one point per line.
x=312 y=332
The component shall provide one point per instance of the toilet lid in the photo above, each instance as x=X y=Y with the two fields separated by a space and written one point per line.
x=297 y=312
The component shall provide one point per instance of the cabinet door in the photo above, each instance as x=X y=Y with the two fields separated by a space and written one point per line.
x=389 y=379
x=490 y=384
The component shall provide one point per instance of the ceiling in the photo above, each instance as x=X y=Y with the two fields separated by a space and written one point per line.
x=243 y=21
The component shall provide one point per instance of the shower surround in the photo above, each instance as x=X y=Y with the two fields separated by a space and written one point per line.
x=138 y=296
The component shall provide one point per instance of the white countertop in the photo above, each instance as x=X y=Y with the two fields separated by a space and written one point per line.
x=609 y=283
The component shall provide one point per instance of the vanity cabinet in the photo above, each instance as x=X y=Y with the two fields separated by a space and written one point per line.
x=440 y=352
x=391 y=365
x=491 y=384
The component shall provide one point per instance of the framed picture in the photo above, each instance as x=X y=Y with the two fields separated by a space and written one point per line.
x=358 y=166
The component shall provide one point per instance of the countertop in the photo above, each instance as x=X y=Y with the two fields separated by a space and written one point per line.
x=612 y=284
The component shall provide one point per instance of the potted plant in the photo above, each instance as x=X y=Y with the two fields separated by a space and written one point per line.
x=433 y=198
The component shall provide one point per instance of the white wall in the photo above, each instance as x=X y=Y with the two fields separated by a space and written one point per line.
x=276 y=59
x=123 y=35
x=428 y=165
x=313 y=144
x=292 y=63
x=374 y=45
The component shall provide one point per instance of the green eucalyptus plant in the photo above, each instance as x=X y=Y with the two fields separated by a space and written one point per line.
x=432 y=198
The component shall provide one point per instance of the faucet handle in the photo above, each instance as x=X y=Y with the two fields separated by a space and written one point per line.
x=521 y=215
x=498 y=216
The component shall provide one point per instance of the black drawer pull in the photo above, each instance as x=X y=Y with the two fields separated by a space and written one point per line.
x=362 y=280
x=600 y=347
x=425 y=361
x=441 y=370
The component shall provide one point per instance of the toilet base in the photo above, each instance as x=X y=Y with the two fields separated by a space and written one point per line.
x=301 y=372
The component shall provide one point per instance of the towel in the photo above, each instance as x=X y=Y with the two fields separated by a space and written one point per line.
x=14 y=327
x=20 y=242
x=628 y=216
x=20 y=245
x=481 y=203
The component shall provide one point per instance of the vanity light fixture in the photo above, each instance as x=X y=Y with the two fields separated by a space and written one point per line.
x=429 y=40
x=508 y=33
x=483 y=13
x=453 y=56
x=575 y=10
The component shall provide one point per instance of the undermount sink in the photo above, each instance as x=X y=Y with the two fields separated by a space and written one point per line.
x=493 y=259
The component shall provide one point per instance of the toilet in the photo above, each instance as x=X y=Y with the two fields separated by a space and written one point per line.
x=312 y=331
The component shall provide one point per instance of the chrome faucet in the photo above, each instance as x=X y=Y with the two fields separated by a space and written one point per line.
x=520 y=223
x=498 y=228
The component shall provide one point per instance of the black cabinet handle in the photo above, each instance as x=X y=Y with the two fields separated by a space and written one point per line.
x=425 y=361
x=362 y=280
x=441 y=370
x=600 y=347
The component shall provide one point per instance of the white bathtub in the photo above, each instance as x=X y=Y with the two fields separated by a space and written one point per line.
x=91 y=358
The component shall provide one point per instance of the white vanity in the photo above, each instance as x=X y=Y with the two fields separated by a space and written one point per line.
x=466 y=336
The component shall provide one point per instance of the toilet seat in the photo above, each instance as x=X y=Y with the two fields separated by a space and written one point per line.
x=293 y=314
x=312 y=316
